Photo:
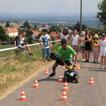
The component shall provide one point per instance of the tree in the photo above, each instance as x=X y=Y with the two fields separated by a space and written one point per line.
x=26 y=25
x=3 y=36
x=77 y=27
x=29 y=37
x=7 y=24
x=55 y=28
x=102 y=13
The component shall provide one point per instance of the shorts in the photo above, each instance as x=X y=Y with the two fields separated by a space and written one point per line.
x=21 y=47
x=59 y=62
x=102 y=53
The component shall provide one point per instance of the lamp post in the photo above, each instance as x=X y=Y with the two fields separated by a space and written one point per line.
x=80 y=16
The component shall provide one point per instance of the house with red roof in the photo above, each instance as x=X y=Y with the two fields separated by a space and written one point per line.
x=12 y=31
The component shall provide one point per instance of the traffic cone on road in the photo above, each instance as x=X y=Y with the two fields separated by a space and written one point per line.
x=64 y=96
x=23 y=96
x=65 y=88
x=46 y=71
x=36 y=84
x=78 y=66
x=91 y=81
x=60 y=78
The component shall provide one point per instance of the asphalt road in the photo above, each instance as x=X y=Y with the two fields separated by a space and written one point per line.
x=49 y=91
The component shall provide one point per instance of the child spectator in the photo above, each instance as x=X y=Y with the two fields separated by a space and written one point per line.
x=95 y=45
x=45 y=42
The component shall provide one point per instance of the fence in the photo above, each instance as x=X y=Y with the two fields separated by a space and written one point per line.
x=13 y=48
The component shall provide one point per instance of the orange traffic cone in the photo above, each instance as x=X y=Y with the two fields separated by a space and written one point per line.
x=91 y=81
x=23 y=96
x=65 y=86
x=60 y=78
x=78 y=66
x=46 y=71
x=36 y=84
x=64 y=96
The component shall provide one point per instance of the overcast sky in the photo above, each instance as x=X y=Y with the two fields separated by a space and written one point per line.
x=48 y=6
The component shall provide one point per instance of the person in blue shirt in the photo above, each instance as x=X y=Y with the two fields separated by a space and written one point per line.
x=45 y=42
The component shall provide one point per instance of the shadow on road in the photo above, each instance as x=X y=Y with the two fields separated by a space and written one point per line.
x=47 y=79
x=97 y=69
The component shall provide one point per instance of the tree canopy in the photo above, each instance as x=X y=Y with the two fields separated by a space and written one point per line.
x=3 y=36
x=7 y=24
x=102 y=13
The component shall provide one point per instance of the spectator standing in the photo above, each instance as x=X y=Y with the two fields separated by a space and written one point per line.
x=64 y=35
x=95 y=45
x=88 y=45
x=82 y=45
x=103 y=51
x=75 y=40
x=45 y=42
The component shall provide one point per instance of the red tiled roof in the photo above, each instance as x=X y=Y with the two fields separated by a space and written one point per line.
x=54 y=34
x=11 y=30
x=36 y=32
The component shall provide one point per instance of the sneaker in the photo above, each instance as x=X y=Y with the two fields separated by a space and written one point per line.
x=101 y=67
x=83 y=60
x=104 y=67
x=87 y=61
x=52 y=74
x=30 y=54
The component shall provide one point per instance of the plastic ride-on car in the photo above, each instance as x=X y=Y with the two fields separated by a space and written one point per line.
x=71 y=75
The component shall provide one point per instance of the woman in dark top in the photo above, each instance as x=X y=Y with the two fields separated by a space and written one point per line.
x=88 y=45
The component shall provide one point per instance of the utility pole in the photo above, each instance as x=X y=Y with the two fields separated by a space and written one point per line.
x=80 y=16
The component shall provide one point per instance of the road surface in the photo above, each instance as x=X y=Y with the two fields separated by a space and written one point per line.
x=49 y=91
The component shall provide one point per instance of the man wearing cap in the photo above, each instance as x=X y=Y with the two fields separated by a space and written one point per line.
x=65 y=53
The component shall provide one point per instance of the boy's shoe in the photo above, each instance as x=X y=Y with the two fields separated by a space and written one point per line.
x=52 y=74
x=83 y=60
x=30 y=54
x=87 y=61
x=101 y=67
x=96 y=62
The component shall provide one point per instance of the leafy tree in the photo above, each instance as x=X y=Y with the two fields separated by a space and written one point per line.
x=7 y=24
x=3 y=36
x=102 y=13
x=26 y=25
x=29 y=37
x=35 y=26
x=55 y=28
x=77 y=27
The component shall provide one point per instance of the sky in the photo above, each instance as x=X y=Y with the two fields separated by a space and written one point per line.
x=48 y=6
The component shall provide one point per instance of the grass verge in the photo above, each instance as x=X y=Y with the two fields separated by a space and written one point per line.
x=16 y=69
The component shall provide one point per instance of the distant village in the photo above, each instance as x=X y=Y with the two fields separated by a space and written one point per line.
x=11 y=29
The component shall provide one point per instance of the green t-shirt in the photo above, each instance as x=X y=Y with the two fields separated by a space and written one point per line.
x=66 y=54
